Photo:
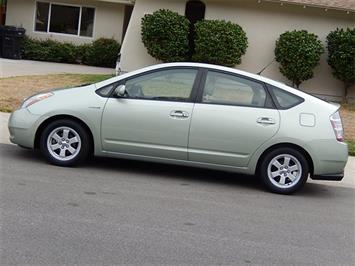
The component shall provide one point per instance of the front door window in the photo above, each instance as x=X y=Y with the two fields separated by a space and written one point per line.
x=168 y=85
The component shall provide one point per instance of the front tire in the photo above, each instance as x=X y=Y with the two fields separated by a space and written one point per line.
x=284 y=170
x=65 y=143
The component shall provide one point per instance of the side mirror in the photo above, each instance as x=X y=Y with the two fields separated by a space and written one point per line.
x=120 y=91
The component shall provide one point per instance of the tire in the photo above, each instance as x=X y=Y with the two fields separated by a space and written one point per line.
x=282 y=177
x=65 y=143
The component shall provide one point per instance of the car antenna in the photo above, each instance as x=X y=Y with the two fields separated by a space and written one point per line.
x=262 y=70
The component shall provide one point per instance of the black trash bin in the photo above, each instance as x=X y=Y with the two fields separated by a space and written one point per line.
x=1 y=38
x=12 y=38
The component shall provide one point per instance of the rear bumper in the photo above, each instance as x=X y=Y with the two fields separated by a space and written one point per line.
x=331 y=177
x=329 y=159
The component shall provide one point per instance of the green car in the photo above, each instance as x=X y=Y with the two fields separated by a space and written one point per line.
x=190 y=114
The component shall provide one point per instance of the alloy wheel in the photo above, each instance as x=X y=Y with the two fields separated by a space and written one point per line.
x=64 y=143
x=284 y=171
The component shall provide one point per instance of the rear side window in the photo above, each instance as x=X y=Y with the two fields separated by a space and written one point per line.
x=284 y=99
x=221 y=88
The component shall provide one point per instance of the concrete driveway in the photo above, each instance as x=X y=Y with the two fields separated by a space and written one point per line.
x=12 y=68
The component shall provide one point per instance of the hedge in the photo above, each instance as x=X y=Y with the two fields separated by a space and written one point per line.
x=102 y=52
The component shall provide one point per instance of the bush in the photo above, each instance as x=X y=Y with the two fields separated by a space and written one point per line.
x=341 y=50
x=165 y=35
x=48 y=50
x=298 y=53
x=219 y=42
x=81 y=51
x=102 y=52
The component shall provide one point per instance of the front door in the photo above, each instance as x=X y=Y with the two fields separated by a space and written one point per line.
x=153 y=118
x=231 y=120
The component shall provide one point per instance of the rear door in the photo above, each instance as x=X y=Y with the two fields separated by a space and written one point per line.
x=234 y=115
x=153 y=118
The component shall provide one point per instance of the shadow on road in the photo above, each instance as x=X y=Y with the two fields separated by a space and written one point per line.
x=183 y=174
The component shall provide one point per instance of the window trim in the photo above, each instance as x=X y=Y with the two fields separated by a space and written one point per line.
x=114 y=86
x=269 y=102
x=194 y=90
x=47 y=32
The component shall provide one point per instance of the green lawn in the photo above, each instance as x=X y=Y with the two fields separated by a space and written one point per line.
x=93 y=78
x=14 y=89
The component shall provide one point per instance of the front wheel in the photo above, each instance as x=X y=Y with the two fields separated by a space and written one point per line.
x=64 y=143
x=284 y=170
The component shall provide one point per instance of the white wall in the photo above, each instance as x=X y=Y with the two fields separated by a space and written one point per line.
x=108 y=19
x=134 y=54
x=263 y=24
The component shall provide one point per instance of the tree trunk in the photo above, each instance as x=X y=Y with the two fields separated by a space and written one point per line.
x=297 y=83
x=345 y=97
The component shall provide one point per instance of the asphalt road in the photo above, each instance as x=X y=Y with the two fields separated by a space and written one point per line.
x=122 y=212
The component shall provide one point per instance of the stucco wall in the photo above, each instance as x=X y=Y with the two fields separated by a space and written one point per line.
x=263 y=23
x=108 y=19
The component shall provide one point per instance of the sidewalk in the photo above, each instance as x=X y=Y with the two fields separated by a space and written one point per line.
x=4 y=132
x=348 y=181
x=12 y=68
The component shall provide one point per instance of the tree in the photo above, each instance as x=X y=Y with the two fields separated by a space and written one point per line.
x=298 y=53
x=165 y=35
x=219 y=42
x=341 y=56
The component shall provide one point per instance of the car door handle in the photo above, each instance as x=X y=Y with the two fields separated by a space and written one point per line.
x=266 y=120
x=179 y=114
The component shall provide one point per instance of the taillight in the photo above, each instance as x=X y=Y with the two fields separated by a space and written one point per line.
x=337 y=125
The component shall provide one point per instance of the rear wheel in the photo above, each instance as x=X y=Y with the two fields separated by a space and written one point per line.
x=65 y=143
x=284 y=170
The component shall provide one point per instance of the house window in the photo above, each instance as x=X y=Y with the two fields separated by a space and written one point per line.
x=65 y=19
x=42 y=12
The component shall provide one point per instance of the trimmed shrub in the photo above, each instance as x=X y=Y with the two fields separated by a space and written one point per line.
x=298 y=53
x=219 y=42
x=165 y=35
x=102 y=52
x=81 y=51
x=341 y=50
x=48 y=50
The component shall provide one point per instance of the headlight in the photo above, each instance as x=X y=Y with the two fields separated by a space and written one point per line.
x=36 y=98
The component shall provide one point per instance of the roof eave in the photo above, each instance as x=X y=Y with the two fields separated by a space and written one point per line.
x=311 y=5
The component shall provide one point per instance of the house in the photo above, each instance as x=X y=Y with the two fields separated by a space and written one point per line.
x=81 y=21
x=76 y=21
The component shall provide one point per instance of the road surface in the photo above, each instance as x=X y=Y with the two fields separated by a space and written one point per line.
x=123 y=212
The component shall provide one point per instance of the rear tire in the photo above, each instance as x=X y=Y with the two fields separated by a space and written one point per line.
x=65 y=143
x=284 y=170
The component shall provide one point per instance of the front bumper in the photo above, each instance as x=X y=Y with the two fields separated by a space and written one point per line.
x=22 y=127
x=331 y=177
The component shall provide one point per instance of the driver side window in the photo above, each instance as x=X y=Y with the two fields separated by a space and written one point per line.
x=172 y=84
